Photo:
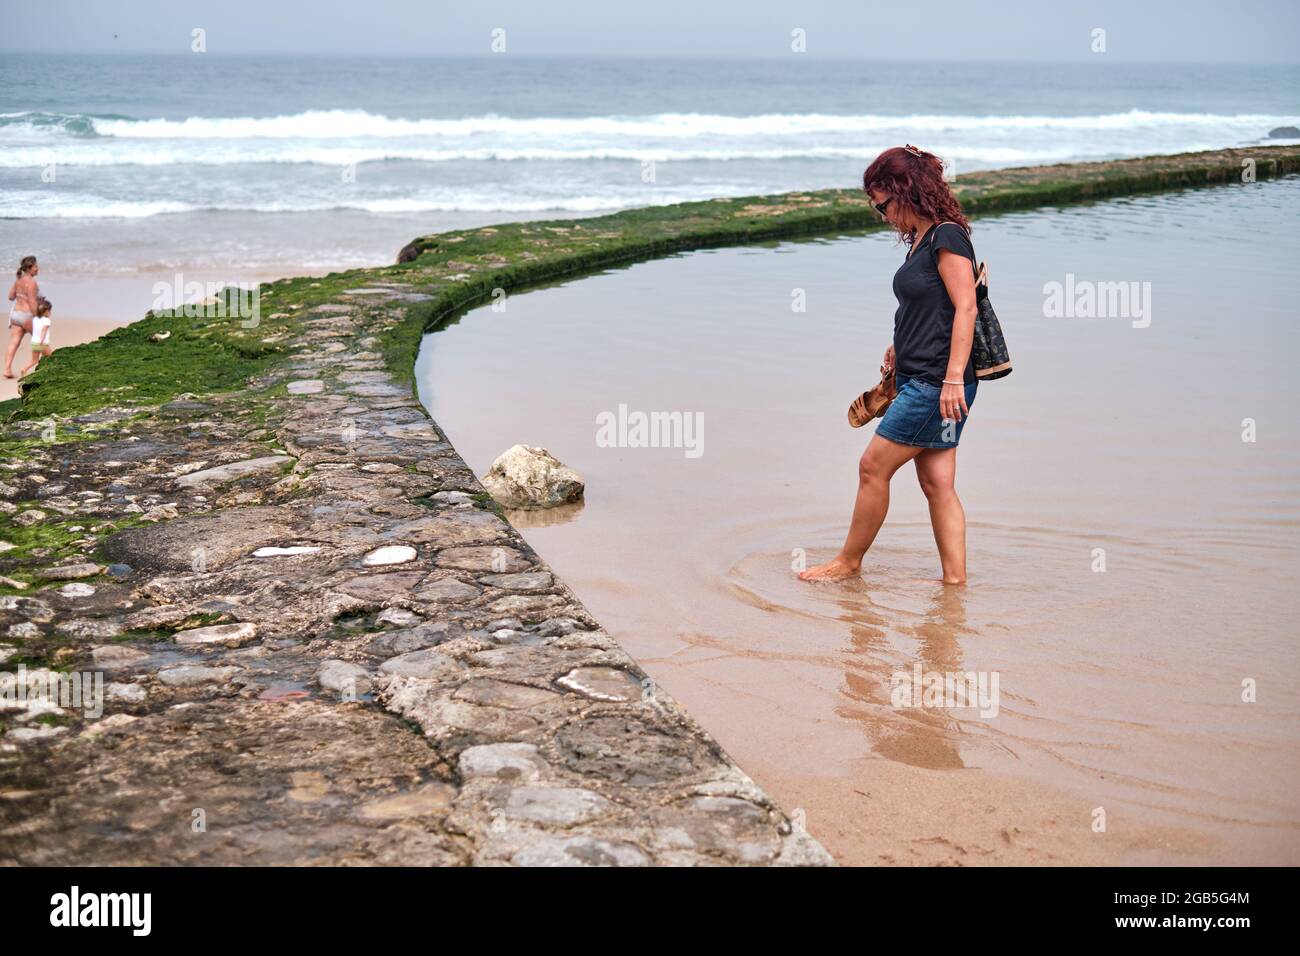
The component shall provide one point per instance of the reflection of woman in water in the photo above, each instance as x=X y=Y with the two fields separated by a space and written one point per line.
x=931 y=354
x=23 y=294
x=876 y=663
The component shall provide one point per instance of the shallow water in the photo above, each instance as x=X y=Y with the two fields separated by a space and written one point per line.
x=1122 y=687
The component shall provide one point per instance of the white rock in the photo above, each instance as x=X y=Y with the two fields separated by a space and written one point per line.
x=426 y=664
x=70 y=572
x=160 y=513
x=29 y=517
x=501 y=760
x=563 y=806
x=99 y=628
x=77 y=590
x=602 y=683
x=35 y=733
x=109 y=724
x=398 y=616
x=129 y=693
x=189 y=675
x=284 y=552
x=343 y=677
x=528 y=477
x=391 y=554
x=453 y=497
x=306 y=386
x=231 y=635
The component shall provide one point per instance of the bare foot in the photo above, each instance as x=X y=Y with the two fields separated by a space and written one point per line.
x=9 y=373
x=838 y=567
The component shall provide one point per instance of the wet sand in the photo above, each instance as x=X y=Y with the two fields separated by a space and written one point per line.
x=1120 y=689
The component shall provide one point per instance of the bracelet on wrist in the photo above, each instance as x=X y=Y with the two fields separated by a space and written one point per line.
x=946 y=382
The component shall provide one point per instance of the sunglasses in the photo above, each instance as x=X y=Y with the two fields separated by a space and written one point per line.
x=880 y=207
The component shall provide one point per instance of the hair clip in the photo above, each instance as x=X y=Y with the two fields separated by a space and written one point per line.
x=912 y=149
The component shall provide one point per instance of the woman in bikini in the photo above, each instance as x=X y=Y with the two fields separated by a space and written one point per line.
x=934 y=327
x=24 y=294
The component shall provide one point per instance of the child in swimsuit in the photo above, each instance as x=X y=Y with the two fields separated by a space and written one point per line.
x=41 y=347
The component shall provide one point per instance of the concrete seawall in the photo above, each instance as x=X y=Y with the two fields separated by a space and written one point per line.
x=319 y=641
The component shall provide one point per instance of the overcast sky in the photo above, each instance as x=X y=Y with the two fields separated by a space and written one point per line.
x=1050 y=30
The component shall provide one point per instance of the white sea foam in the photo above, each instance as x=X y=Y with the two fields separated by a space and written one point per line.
x=343 y=136
x=470 y=201
x=108 y=167
x=339 y=124
x=322 y=155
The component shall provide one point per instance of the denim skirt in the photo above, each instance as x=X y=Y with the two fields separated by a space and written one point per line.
x=913 y=418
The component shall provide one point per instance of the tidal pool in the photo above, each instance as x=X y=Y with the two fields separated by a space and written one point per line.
x=1132 y=496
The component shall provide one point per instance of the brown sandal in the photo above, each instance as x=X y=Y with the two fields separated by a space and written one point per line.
x=872 y=404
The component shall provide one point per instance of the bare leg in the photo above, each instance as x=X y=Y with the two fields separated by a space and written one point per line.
x=877 y=466
x=16 y=333
x=936 y=470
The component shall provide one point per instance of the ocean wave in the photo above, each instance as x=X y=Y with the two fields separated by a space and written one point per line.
x=339 y=124
x=90 y=208
x=341 y=137
x=353 y=124
x=71 y=124
x=341 y=155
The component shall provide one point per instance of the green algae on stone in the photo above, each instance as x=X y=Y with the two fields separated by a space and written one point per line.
x=127 y=367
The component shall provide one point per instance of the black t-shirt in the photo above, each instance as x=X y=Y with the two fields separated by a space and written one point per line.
x=923 y=322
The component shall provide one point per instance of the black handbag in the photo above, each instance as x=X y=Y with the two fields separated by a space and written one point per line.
x=989 y=347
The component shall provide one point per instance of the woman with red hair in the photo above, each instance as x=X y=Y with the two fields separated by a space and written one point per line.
x=931 y=358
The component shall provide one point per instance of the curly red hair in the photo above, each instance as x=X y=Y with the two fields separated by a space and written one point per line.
x=914 y=179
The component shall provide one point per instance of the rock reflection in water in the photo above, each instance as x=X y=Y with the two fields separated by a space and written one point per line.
x=523 y=518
